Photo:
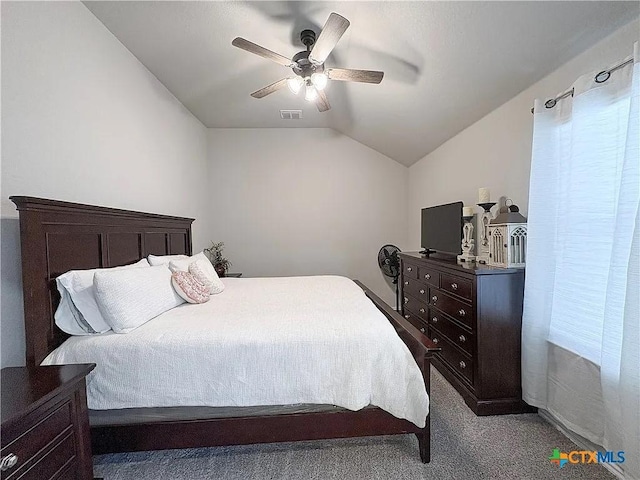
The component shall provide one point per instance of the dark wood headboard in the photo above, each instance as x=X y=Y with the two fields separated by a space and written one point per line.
x=60 y=236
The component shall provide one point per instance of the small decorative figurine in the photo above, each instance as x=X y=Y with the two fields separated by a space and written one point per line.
x=468 y=243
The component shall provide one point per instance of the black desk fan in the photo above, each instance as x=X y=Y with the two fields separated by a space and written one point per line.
x=389 y=263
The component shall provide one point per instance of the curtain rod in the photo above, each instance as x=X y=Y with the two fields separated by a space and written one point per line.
x=601 y=77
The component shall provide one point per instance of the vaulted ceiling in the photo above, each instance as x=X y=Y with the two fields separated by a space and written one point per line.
x=446 y=64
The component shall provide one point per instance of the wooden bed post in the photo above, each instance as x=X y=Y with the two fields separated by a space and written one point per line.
x=422 y=349
x=424 y=437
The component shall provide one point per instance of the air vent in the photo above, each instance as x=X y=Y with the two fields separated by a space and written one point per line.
x=291 y=114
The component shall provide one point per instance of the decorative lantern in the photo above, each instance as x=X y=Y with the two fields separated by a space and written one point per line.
x=508 y=238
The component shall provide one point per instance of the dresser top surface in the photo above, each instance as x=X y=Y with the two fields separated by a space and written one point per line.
x=26 y=388
x=452 y=264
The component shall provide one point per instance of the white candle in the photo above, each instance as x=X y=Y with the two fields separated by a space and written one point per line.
x=467 y=211
x=484 y=195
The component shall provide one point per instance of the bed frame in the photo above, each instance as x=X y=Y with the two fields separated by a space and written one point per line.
x=60 y=236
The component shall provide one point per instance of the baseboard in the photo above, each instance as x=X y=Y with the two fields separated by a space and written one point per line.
x=582 y=442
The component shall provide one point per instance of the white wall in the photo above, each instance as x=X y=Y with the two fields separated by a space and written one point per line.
x=495 y=152
x=304 y=202
x=83 y=120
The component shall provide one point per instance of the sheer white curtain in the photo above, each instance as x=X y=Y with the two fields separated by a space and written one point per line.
x=581 y=322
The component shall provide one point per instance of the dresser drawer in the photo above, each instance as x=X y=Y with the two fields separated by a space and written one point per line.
x=38 y=436
x=429 y=275
x=410 y=270
x=416 y=307
x=459 y=286
x=454 y=358
x=458 y=310
x=56 y=461
x=416 y=289
x=423 y=312
x=455 y=333
x=415 y=321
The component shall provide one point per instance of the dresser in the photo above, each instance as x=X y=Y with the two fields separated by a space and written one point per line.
x=474 y=314
x=45 y=423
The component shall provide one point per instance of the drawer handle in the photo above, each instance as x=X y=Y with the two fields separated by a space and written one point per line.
x=406 y=282
x=454 y=286
x=435 y=340
x=407 y=316
x=422 y=310
x=434 y=298
x=422 y=291
x=461 y=312
x=427 y=276
x=409 y=269
x=462 y=364
x=462 y=338
x=422 y=329
x=406 y=300
x=8 y=462
x=434 y=319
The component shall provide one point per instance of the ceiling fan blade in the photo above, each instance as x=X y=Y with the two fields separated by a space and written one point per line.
x=331 y=32
x=322 y=102
x=349 y=75
x=261 y=51
x=263 y=92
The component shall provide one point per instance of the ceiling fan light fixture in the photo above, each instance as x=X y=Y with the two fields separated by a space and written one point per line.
x=319 y=80
x=311 y=93
x=308 y=65
x=294 y=84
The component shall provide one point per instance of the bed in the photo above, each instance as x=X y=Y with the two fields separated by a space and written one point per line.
x=60 y=236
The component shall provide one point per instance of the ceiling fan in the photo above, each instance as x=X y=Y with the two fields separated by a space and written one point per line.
x=308 y=65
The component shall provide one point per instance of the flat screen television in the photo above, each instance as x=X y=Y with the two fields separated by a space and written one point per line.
x=442 y=229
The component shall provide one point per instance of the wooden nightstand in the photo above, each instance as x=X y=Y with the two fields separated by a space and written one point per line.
x=232 y=275
x=45 y=423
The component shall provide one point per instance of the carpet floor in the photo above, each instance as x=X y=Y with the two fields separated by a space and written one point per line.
x=463 y=446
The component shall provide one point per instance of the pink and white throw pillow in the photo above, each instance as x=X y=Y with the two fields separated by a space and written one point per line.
x=190 y=288
x=201 y=269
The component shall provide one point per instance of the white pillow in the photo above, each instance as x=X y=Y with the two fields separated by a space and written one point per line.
x=155 y=260
x=182 y=264
x=67 y=316
x=189 y=288
x=130 y=298
x=78 y=286
x=203 y=270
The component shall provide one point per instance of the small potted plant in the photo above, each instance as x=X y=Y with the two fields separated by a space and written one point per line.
x=220 y=264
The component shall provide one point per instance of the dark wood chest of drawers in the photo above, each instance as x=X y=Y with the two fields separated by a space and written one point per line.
x=45 y=425
x=474 y=313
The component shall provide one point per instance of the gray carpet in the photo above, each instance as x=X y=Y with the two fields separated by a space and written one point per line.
x=463 y=446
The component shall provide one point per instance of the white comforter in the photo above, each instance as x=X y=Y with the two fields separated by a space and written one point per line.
x=263 y=341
